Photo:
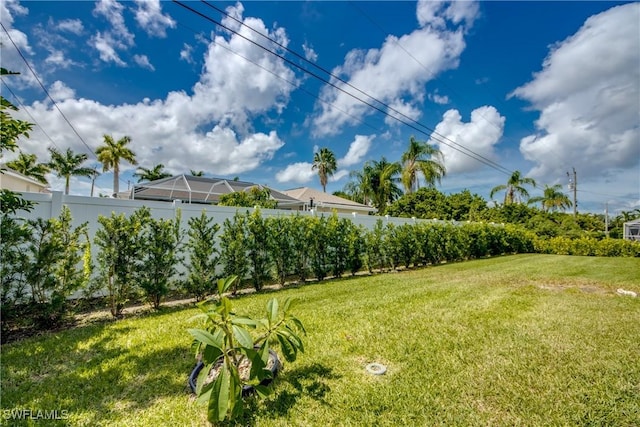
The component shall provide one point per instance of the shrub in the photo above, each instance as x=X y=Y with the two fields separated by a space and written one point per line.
x=233 y=248
x=160 y=243
x=53 y=266
x=281 y=246
x=203 y=256
x=301 y=238
x=120 y=246
x=318 y=246
x=257 y=240
x=374 y=248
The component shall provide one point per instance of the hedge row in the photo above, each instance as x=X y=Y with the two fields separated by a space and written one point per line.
x=44 y=262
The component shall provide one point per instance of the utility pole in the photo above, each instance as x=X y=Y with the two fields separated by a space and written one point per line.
x=606 y=219
x=573 y=185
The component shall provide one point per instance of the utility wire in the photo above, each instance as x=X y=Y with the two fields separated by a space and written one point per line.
x=49 y=96
x=473 y=154
x=47 y=92
x=417 y=126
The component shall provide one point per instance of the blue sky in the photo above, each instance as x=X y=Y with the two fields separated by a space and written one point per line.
x=539 y=87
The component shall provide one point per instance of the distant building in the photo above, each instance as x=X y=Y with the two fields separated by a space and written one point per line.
x=325 y=202
x=198 y=189
x=15 y=181
x=632 y=230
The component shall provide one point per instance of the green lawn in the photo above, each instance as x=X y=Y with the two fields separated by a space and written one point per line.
x=519 y=340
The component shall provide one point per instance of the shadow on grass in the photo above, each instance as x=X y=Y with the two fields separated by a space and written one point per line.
x=306 y=381
x=94 y=376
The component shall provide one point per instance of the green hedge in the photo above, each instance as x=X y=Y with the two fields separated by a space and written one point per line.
x=277 y=249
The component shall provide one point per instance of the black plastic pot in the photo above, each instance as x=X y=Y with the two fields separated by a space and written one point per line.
x=246 y=389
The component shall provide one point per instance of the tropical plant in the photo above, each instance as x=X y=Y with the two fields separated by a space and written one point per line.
x=360 y=188
x=226 y=343
x=324 y=161
x=152 y=174
x=160 y=255
x=10 y=128
x=552 y=199
x=203 y=255
x=67 y=164
x=514 y=188
x=27 y=164
x=255 y=197
x=421 y=157
x=196 y=173
x=384 y=182
x=111 y=154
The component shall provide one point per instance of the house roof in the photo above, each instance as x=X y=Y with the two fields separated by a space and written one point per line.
x=322 y=199
x=198 y=189
x=10 y=172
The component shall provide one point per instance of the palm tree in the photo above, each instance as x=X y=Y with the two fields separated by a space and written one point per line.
x=424 y=158
x=359 y=187
x=514 y=188
x=325 y=162
x=67 y=164
x=553 y=198
x=27 y=164
x=196 y=173
x=152 y=174
x=111 y=153
x=384 y=182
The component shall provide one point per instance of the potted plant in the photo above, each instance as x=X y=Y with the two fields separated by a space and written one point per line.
x=235 y=352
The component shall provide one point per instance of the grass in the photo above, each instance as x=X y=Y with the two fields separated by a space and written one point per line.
x=519 y=340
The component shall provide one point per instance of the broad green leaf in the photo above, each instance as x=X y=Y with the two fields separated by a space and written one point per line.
x=272 y=310
x=219 y=402
x=247 y=321
x=242 y=336
x=202 y=376
x=262 y=390
x=211 y=354
x=205 y=337
x=299 y=324
x=205 y=395
x=288 y=351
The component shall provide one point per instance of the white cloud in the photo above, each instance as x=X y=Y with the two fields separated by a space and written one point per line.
x=338 y=175
x=309 y=53
x=357 y=150
x=149 y=16
x=435 y=13
x=401 y=112
x=113 y=12
x=299 y=173
x=59 y=91
x=207 y=128
x=73 y=26
x=143 y=62
x=439 y=99
x=185 y=53
x=11 y=60
x=58 y=59
x=480 y=135
x=588 y=95
x=105 y=46
x=389 y=74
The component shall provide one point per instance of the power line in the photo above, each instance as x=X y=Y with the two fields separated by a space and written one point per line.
x=47 y=92
x=411 y=123
x=473 y=154
x=49 y=96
